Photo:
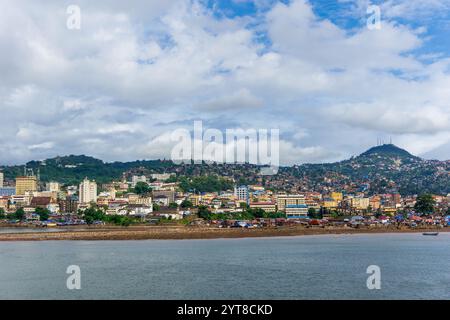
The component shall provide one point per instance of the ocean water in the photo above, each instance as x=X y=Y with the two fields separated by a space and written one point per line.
x=310 y=267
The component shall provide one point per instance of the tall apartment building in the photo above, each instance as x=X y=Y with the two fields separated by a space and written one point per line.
x=26 y=184
x=87 y=191
x=2 y=178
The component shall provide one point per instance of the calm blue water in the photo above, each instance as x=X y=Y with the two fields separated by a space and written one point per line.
x=313 y=267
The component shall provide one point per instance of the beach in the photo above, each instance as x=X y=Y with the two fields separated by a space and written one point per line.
x=184 y=232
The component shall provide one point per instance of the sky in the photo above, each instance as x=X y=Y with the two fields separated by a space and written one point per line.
x=135 y=71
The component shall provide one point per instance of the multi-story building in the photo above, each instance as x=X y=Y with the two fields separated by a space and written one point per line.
x=291 y=199
x=87 y=191
x=360 y=203
x=266 y=206
x=53 y=186
x=337 y=196
x=2 y=179
x=161 y=176
x=24 y=184
x=7 y=191
x=136 y=179
x=296 y=211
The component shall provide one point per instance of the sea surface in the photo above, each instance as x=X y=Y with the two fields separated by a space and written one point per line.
x=412 y=266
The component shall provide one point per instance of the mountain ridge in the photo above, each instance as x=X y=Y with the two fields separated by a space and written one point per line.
x=385 y=168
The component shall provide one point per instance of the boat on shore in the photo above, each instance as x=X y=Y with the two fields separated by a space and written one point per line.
x=430 y=233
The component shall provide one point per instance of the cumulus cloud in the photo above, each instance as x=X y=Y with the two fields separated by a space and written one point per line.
x=135 y=72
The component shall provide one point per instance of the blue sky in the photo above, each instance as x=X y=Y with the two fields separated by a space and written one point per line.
x=135 y=72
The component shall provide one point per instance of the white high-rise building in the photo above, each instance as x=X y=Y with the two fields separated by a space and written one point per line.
x=241 y=193
x=87 y=191
x=1 y=179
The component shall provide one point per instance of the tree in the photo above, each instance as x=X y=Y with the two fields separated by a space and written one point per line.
x=312 y=213
x=173 y=205
x=142 y=188
x=19 y=214
x=43 y=213
x=186 y=204
x=2 y=213
x=204 y=213
x=93 y=214
x=425 y=204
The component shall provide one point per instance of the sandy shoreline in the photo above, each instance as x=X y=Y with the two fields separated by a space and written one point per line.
x=178 y=233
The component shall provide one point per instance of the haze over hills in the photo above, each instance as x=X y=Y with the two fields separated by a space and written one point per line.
x=381 y=169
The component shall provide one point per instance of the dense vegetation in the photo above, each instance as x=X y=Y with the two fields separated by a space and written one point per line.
x=382 y=169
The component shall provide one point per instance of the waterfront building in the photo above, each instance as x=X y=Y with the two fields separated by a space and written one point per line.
x=24 y=184
x=87 y=191
x=296 y=211
x=360 y=203
x=266 y=206
x=337 y=196
x=292 y=199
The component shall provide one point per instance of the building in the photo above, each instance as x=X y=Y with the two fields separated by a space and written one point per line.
x=289 y=200
x=337 y=196
x=87 y=191
x=7 y=192
x=266 y=206
x=53 y=187
x=242 y=194
x=360 y=203
x=161 y=176
x=2 y=179
x=136 y=179
x=24 y=184
x=296 y=211
x=170 y=194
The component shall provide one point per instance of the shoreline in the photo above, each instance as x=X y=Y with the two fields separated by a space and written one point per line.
x=194 y=233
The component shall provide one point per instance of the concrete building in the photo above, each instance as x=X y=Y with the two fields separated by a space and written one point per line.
x=2 y=179
x=289 y=200
x=136 y=179
x=24 y=184
x=53 y=186
x=266 y=206
x=87 y=191
x=296 y=211
x=360 y=203
x=242 y=194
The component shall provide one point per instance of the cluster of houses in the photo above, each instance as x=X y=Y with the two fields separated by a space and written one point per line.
x=166 y=200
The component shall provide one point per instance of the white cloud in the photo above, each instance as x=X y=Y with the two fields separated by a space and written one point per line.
x=134 y=72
